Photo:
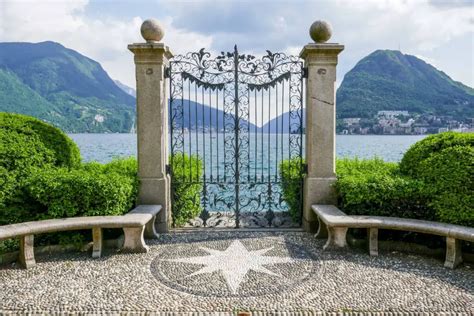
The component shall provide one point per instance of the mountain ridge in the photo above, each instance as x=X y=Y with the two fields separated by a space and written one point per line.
x=71 y=90
x=390 y=80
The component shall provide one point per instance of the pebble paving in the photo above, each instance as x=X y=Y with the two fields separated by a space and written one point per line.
x=311 y=283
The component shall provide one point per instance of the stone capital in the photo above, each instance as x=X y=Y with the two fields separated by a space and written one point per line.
x=321 y=53
x=150 y=53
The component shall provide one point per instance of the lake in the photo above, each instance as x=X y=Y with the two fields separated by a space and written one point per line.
x=104 y=147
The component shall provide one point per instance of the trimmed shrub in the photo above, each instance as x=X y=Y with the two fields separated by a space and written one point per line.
x=28 y=144
x=64 y=193
x=127 y=167
x=292 y=175
x=186 y=187
x=374 y=187
x=449 y=178
x=431 y=145
x=92 y=189
x=65 y=151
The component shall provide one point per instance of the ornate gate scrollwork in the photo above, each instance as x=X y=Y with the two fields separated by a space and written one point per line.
x=238 y=117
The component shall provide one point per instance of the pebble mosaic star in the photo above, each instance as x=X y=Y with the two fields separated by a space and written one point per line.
x=234 y=263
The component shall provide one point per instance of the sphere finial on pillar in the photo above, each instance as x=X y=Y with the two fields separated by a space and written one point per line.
x=152 y=31
x=320 y=31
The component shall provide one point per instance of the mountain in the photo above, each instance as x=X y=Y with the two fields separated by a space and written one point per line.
x=285 y=123
x=390 y=80
x=199 y=115
x=63 y=87
x=126 y=89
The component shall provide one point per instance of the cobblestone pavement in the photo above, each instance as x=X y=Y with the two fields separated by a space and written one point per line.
x=230 y=271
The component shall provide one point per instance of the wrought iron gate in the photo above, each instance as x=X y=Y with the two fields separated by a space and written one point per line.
x=233 y=120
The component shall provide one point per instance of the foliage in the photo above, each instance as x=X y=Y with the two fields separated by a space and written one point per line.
x=292 y=175
x=449 y=178
x=186 y=188
x=390 y=80
x=445 y=163
x=430 y=146
x=375 y=187
x=27 y=144
x=81 y=192
x=58 y=85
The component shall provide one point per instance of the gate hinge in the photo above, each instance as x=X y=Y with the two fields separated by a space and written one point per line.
x=305 y=72
x=168 y=169
x=305 y=168
x=167 y=72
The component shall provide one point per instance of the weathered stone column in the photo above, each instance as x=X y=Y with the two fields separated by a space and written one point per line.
x=151 y=59
x=320 y=144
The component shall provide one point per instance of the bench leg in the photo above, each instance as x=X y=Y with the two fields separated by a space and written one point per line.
x=27 y=254
x=373 y=241
x=150 y=230
x=322 y=232
x=97 y=242
x=336 y=238
x=453 y=253
x=134 y=241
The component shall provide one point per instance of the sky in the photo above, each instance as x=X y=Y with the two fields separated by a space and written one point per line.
x=441 y=32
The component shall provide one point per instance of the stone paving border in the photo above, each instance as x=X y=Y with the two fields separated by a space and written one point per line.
x=344 y=283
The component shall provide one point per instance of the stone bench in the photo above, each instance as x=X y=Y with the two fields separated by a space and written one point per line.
x=333 y=224
x=135 y=224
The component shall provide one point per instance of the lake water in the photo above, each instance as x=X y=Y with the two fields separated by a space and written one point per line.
x=104 y=147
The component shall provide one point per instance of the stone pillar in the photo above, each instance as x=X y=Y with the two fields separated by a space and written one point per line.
x=151 y=60
x=320 y=58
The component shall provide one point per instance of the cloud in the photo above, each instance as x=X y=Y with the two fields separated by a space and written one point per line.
x=418 y=27
x=104 y=39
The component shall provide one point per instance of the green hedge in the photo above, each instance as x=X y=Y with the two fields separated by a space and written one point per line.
x=65 y=151
x=186 y=187
x=26 y=145
x=292 y=175
x=375 y=187
x=429 y=146
x=92 y=189
x=449 y=178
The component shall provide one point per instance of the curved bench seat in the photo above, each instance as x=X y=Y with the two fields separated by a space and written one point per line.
x=333 y=223
x=136 y=224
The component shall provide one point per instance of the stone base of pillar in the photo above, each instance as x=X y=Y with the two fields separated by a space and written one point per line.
x=316 y=191
x=156 y=191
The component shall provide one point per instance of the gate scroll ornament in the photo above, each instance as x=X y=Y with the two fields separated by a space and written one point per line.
x=213 y=102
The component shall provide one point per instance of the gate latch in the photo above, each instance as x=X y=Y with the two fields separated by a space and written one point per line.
x=167 y=72
x=305 y=72
x=168 y=169
x=305 y=168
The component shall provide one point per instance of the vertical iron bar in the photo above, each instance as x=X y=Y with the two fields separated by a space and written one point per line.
x=225 y=129
x=255 y=134
x=236 y=136
x=269 y=126
x=217 y=132
x=248 y=135
x=282 y=116
x=203 y=134
x=189 y=131
x=196 y=120
x=277 y=130
x=261 y=141
x=210 y=129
